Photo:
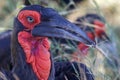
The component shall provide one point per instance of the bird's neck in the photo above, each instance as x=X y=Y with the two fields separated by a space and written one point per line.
x=34 y=60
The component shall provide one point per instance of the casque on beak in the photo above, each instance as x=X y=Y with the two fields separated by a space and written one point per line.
x=54 y=25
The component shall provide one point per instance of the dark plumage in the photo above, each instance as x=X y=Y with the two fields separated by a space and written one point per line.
x=5 y=58
x=72 y=71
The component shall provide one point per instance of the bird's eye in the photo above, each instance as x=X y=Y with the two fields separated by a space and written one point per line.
x=30 y=19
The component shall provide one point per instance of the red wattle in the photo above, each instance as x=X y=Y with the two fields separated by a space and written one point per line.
x=37 y=53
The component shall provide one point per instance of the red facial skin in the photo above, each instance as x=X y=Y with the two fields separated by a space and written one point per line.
x=22 y=17
x=36 y=49
x=99 y=31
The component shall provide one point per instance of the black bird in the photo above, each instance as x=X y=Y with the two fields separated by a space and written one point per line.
x=31 y=58
x=90 y=18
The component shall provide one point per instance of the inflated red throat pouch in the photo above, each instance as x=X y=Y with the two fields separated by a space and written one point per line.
x=37 y=53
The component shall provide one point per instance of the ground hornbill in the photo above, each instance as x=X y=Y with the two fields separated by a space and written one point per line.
x=31 y=58
x=92 y=32
x=94 y=25
x=66 y=66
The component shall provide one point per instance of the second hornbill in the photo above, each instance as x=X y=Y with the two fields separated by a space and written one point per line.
x=31 y=56
x=94 y=26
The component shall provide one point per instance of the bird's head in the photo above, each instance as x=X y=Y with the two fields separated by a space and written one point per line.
x=32 y=27
x=40 y=21
x=100 y=31
x=99 y=25
x=94 y=33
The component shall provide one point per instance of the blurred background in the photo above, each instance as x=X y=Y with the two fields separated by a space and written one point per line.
x=102 y=67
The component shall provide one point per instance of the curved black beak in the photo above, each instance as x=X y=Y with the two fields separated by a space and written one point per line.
x=54 y=25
